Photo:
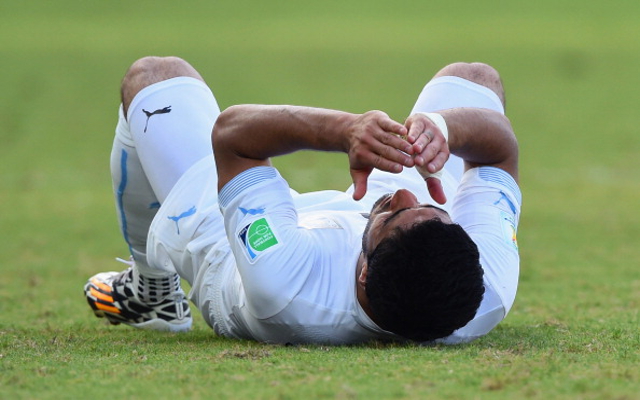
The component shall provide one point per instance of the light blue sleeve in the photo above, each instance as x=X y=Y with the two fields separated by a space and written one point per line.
x=487 y=206
x=274 y=257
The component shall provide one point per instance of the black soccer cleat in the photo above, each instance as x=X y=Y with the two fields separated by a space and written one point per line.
x=114 y=295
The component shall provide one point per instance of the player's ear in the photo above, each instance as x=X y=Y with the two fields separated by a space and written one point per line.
x=362 y=278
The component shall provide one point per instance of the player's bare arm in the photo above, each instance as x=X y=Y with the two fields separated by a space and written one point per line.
x=246 y=136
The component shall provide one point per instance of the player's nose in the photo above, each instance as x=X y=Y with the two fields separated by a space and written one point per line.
x=403 y=199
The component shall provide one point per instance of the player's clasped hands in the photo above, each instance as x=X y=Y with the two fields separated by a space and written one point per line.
x=377 y=141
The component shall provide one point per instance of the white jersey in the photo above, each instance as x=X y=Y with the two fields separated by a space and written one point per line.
x=283 y=270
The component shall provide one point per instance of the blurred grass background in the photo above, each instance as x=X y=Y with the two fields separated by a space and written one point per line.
x=570 y=69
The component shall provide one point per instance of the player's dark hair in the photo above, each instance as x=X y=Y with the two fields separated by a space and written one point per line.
x=424 y=282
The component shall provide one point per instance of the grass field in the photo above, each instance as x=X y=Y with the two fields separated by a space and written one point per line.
x=571 y=73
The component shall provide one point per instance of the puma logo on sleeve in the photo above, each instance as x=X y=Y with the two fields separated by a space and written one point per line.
x=149 y=114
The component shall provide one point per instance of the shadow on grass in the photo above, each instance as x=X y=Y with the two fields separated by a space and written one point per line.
x=524 y=337
x=515 y=339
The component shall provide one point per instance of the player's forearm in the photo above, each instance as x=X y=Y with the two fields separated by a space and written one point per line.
x=260 y=131
x=247 y=136
x=482 y=137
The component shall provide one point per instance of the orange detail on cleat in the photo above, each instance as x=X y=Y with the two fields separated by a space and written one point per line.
x=101 y=296
x=107 y=308
x=101 y=285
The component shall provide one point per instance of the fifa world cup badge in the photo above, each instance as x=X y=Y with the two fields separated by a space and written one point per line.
x=257 y=237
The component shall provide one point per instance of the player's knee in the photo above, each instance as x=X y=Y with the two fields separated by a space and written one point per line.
x=480 y=73
x=149 y=70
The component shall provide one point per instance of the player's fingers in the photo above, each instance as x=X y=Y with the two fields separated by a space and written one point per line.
x=377 y=155
x=390 y=126
x=416 y=127
x=434 y=185
x=437 y=163
x=359 y=183
x=394 y=140
x=428 y=153
x=387 y=149
x=389 y=153
x=422 y=141
x=385 y=164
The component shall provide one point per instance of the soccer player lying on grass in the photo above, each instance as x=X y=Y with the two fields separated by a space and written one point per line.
x=392 y=258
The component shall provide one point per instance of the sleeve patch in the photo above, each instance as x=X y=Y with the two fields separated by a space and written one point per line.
x=257 y=237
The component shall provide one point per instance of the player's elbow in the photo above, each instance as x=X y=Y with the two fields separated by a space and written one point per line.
x=223 y=129
x=511 y=151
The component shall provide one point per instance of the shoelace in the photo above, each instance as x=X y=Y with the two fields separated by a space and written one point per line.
x=179 y=309
x=129 y=262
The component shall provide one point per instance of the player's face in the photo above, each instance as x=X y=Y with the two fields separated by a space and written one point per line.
x=398 y=210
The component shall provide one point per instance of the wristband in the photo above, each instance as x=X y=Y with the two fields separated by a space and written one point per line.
x=439 y=121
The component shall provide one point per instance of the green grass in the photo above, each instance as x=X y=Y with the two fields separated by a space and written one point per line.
x=571 y=73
